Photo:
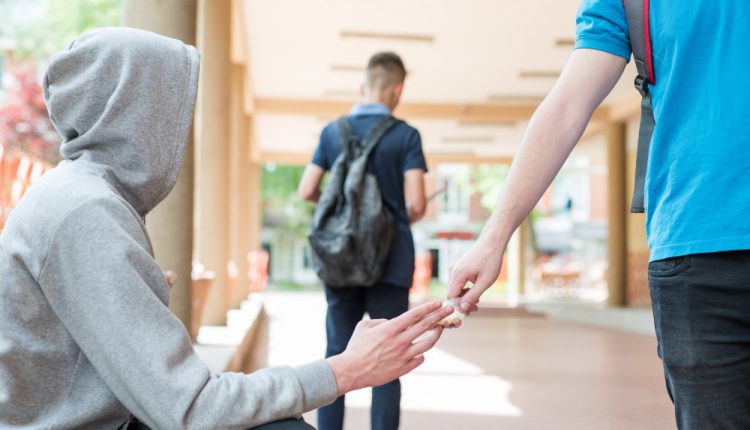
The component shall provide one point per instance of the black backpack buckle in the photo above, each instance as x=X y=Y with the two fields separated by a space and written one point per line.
x=641 y=84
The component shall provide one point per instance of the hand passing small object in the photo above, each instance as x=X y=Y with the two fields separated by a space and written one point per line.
x=454 y=320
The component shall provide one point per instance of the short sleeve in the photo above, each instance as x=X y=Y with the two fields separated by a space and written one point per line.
x=602 y=25
x=322 y=156
x=413 y=156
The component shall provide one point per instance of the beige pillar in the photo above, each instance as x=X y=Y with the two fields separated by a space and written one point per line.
x=212 y=149
x=239 y=198
x=171 y=223
x=638 y=253
x=255 y=192
x=524 y=240
x=617 y=212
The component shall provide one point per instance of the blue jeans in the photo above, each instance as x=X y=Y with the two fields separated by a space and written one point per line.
x=346 y=307
x=701 y=306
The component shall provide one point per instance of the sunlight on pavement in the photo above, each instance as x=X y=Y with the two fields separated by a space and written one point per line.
x=448 y=384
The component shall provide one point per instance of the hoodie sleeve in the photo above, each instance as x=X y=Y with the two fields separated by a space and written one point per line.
x=109 y=293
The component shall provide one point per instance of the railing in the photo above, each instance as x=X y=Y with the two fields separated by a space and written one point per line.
x=18 y=171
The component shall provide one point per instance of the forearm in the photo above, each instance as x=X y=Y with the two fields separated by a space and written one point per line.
x=550 y=137
x=235 y=400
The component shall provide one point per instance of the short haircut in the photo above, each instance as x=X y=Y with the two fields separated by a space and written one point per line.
x=384 y=70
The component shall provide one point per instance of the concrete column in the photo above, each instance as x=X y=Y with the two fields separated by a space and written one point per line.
x=638 y=253
x=516 y=262
x=171 y=223
x=617 y=212
x=212 y=149
x=239 y=186
x=255 y=193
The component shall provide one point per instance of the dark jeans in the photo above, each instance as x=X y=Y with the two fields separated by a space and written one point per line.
x=701 y=307
x=346 y=307
x=289 y=424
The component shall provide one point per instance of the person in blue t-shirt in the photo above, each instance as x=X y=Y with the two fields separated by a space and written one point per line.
x=399 y=166
x=697 y=194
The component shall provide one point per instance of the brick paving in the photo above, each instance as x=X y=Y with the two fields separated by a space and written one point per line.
x=502 y=372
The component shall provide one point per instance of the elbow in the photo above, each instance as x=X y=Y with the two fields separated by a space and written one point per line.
x=306 y=194
x=417 y=212
x=420 y=211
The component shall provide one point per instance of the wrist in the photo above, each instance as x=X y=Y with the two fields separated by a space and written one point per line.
x=495 y=236
x=342 y=372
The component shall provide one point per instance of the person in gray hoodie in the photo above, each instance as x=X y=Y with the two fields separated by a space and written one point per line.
x=86 y=337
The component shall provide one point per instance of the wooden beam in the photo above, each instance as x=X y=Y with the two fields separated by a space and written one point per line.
x=464 y=112
x=625 y=108
x=238 y=42
x=302 y=158
x=427 y=38
x=287 y=158
x=434 y=159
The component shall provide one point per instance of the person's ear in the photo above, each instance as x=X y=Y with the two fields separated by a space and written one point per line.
x=362 y=89
x=397 y=89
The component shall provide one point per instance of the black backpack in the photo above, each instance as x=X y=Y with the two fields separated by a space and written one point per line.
x=353 y=228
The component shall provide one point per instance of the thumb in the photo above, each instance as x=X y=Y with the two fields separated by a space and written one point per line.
x=456 y=284
x=471 y=298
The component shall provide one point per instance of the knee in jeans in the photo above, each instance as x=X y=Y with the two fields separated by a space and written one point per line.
x=684 y=361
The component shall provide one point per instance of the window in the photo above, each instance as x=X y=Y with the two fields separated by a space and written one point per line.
x=455 y=200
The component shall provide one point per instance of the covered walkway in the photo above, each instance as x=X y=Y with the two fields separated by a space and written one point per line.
x=502 y=370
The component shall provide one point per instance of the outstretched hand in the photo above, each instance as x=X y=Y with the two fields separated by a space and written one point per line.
x=383 y=350
x=480 y=265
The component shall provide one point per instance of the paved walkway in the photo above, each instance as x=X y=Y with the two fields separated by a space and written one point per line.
x=501 y=372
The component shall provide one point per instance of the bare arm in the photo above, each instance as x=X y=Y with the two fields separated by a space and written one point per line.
x=553 y=131
x=309 y=185
x=416 y=203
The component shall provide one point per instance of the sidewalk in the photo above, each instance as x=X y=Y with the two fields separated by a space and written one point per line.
x=501 y=372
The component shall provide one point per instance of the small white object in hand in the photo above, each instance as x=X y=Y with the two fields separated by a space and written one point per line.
x=456 y=318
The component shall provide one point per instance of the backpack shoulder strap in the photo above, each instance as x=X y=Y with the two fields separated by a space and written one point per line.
x=637 y=12
x=346 y=134
x=376 y=133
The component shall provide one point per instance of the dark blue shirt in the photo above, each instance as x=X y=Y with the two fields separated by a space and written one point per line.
x=399 y=150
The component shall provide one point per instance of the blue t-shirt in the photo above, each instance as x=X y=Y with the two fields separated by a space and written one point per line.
x=698 y=182
x=399 y=150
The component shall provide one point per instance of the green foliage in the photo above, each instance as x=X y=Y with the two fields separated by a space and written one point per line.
x=488 y=181
x=53 y=24
x=282 y=206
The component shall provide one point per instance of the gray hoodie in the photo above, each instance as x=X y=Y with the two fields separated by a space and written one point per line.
x=85 y=333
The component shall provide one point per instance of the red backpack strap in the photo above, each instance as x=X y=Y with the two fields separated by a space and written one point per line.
x=637 y=12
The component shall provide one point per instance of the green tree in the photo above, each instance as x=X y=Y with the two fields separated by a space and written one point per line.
x=282 y=206
x=53 y=24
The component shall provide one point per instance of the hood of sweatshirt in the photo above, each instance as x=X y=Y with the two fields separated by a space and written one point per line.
x=123 y=99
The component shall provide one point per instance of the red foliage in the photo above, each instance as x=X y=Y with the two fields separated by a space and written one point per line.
x=24 y=123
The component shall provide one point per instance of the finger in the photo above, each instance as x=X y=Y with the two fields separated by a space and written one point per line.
x=456 y=284
x=473 y=309
x=426 y=344
x=472 y=296
x=470 y=300
x=426 y=324
x=409 y=318
x=413 y=364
